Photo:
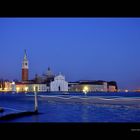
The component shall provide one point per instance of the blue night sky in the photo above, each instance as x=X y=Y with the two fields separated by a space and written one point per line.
x=80 y=48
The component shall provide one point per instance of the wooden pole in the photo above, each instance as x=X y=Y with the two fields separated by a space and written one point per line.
x=36 y=102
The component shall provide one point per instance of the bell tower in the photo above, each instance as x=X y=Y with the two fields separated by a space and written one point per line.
x=25 y=67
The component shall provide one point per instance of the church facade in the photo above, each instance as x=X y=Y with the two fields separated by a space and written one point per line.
x=59 y=84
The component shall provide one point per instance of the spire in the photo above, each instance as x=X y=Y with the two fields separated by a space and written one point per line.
x=49 y=73
x=25 y=55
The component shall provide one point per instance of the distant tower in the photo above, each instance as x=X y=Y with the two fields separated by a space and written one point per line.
x=25 y=67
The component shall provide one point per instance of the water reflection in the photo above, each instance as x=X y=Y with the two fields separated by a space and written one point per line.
x=70 y=111
x=35 y=118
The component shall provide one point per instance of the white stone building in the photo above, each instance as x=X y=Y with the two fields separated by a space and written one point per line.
x=13 y=87
x=37 y=87
x=59 y=84
x=31 y=87
x=89 y=86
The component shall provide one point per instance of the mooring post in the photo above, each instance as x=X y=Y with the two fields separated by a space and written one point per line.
x=36 y=102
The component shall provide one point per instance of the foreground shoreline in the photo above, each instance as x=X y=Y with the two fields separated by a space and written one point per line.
x=1 y=110
x=18 y=115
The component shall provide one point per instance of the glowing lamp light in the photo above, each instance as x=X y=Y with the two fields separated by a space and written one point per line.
x=17 y=89
x=13 y=83
x=26 y=89
x=5 y=89
x=34 y=88
x=85 y=89
x=126 y=90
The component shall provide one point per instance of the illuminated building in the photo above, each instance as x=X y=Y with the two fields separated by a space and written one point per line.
x=59 y=84
x=25 y=68
x=20 y=87
x=13 y=86
x=5 y=86
x=88 y=86
x=50 y=82
x=111 y=88
x=30 y=87
x=2 y=85
x=91 y=86
x=37 y=87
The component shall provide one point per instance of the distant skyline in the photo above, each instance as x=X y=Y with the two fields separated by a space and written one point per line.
x=80 y=48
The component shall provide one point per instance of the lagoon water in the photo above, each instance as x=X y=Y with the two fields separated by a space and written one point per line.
x=74 y=107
